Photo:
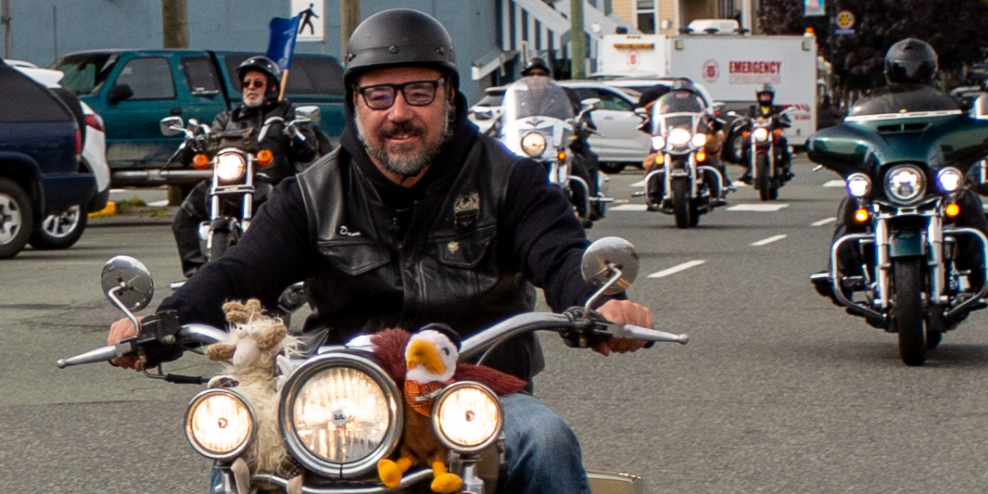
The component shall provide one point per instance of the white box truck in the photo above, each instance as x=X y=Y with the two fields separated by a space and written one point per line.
x=633 y=55
x=732 y=67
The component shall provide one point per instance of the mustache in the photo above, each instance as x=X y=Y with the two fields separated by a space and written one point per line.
x=401 y=128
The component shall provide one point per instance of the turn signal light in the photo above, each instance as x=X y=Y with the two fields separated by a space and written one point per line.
x=861 y=215
x=746 y=134
x=701 y=156
x=561 y=156
x=778 y=132
x=265 y=157
x=953 y=210
x=659 y=159
x=200 y=161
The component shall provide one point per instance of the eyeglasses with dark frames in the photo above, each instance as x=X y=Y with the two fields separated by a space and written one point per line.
x=254 y=83
x=416 y=93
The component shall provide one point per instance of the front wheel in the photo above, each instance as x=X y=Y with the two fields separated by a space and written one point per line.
x=681 y=209
x=767 y=190
x=60 y=230
x=612 y=168
x=907 y=309
x=16 y=218
x=222 y=241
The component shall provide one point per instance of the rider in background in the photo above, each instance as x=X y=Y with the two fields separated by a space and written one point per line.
x=765 y=110
x=260 y=83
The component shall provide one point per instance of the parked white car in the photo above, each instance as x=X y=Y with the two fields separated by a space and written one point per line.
x=486 y=112
x=619 y=142
x=62 y=230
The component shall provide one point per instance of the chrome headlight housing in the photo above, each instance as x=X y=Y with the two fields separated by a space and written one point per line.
x=230 y=166
x=760 y=134
x=950 y=179
x=467 y=417
x=858 y=185
x=340 y=414
x=658 y=143
x=679 y=137
x=533 y=144
x=219 y=424
x=905 y=183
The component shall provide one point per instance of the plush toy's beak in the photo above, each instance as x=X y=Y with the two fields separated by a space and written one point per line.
x=423 y=352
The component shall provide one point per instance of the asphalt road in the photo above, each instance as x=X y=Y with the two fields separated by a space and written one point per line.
x=778 y=390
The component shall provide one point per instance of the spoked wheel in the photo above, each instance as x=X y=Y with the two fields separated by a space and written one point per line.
x=222 y=241
x=681 y=208
x=767 y=189
x=907 y=309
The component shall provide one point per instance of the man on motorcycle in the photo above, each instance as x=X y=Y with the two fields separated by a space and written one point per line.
x=418 y=218
x=260 y=82
x=765 y=110
x=585 y=161
x=910 y=68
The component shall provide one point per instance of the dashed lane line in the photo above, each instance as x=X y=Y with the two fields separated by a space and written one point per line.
x=627 y=207
x=834 y=183
x=768 y=240
x=759 y=208
x=675 y=269
x=823 y=222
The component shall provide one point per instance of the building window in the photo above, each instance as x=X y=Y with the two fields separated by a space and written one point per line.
x=645 y=11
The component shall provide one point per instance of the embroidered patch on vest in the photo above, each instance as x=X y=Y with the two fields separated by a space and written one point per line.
x=466 y=209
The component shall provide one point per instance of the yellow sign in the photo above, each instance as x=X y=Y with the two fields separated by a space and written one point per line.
x=845 y=19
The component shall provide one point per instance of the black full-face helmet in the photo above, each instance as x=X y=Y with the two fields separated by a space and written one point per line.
x=265 y=65
x=399 y=38
x=911 y=60
x=536 y=63
x=765 y=94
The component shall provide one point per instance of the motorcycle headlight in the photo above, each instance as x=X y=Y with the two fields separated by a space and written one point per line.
x=467 y=417
x=761 y=134
x=699 y=140
x=858 y=185
x=950 y=179
x=658 y=143
x=533 y=144
x=340 y=414
x=219 y=424
x=679 y=137
x=905 y=183
x=230 y=166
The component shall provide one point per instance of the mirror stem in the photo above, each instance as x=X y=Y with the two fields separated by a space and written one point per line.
x=614 y=279
x=112 y=294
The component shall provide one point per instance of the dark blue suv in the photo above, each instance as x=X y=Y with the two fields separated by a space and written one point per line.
x=40 y=171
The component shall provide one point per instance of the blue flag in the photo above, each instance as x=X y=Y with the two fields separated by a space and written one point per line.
x=282 y=42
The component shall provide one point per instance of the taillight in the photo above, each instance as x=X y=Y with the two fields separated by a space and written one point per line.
x=95 y=121
x=78 y=141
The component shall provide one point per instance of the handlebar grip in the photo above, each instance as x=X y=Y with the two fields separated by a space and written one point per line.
x=102 y=354
x=645 y=334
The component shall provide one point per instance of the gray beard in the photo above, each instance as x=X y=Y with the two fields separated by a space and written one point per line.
x=254 y=105
x=409 y=165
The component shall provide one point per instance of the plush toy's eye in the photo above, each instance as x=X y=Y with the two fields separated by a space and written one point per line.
x=446 y=351
x=240 y=331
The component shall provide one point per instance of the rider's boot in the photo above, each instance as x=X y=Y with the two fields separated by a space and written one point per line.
x=185 y=227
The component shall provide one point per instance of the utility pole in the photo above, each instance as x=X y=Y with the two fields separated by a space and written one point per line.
x=349 y=18
x=577 y=40
x=175 y=34
x=5 y=20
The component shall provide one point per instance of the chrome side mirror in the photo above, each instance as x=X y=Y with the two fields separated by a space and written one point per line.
x=172 y=126
x=610 y=263
x=589 y=104
x=127 y=283
x=310 y=113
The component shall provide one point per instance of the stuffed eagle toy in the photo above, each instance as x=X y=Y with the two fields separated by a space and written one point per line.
x=422 y=365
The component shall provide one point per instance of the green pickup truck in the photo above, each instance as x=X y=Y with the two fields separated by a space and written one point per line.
x=132 y=90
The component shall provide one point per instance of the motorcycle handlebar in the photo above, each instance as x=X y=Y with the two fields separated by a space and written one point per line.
x=191 y=335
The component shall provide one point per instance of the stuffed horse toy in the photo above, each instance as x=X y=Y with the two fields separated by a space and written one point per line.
x=422 y=365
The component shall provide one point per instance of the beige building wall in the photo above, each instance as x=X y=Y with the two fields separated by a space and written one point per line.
x=674 y=11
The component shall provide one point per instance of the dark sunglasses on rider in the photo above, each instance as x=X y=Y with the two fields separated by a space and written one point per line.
x=254 y=83
x=416 y=93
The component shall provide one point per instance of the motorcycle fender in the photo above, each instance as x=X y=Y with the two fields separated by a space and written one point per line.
x=611 y=483
x=224 y=224
x=906 y=244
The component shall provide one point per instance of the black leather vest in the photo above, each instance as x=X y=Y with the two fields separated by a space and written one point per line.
x=453 y=265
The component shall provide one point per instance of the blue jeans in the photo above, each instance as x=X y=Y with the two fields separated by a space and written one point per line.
x=542 y=452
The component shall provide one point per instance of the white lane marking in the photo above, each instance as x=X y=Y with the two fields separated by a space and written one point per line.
x=739 y=183
x=834 y=183
x=761 y=208
x=640 y=183
x=768 y=240
x=675 y=269
x=627 y=207
x=158 y=204
x=117 y=191
x=823 y=222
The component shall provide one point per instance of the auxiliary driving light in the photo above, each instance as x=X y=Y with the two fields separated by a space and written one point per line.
x=467 y=417
x=219 y=424
x=950 y=179
x=658 y=142
x=861 y=215
x=858 y=185
x=699 y=140
x=952 y=210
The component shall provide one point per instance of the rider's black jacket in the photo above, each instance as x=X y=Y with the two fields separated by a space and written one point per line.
x=463 y=246
x=287 y=151
x=758 y=111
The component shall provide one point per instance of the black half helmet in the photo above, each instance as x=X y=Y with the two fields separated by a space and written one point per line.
x=765 y=88
x=261 y=64
x=396 y=38
x=911 y=60
x=535 y=63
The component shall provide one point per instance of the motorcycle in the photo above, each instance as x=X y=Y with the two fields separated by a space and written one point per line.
x=904 y=173
x=340 y=453
x=682 y=182
x=537 y=121
x=238 y=183
x=762 y=153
